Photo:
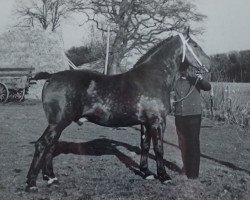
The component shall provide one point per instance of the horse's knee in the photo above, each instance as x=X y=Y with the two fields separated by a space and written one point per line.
x=147 y=147
x=158 y=151
x=158 y=141
x=39 y=147
x=44 y=142
x=145 y=144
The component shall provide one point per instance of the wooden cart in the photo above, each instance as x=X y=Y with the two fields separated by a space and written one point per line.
x=14 y=83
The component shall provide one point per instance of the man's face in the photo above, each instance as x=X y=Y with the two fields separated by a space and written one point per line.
x=183 y=73
x=183 y=66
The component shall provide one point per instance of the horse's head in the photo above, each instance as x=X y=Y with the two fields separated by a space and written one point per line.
x=193 y=55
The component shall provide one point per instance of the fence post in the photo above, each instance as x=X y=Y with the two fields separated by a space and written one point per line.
x=245 y=116
x=107 y=52
x=212 y=102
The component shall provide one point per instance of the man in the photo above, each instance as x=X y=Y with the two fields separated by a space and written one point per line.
x=188 y=119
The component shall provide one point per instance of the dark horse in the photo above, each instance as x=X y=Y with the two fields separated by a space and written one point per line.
x=139 y=96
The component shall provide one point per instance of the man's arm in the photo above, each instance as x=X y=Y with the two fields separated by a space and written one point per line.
x=203 y=84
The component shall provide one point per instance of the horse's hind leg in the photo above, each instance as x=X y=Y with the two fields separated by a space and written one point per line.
x=47 y=171
x=145 y=146
x=157 y=131
x=42 y=147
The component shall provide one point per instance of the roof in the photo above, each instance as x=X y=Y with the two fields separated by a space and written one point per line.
x=22 y=48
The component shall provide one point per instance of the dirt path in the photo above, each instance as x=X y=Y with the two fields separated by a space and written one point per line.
x=107 y=164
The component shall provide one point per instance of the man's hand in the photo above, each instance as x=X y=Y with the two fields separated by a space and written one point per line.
x=199 y=76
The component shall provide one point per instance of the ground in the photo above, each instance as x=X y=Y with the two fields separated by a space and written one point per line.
x=105 y=163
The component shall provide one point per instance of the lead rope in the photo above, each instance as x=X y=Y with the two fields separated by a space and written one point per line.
x=185 y=44
x=181 y=99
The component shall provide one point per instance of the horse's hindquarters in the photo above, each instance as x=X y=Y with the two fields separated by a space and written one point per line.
x=60 y=102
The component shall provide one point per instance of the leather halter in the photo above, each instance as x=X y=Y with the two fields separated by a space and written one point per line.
x=186 y=46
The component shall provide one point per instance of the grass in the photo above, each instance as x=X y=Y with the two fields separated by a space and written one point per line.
x=229 y=102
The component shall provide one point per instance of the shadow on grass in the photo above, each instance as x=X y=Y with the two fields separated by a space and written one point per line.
x=103 y=146
x=225 y=163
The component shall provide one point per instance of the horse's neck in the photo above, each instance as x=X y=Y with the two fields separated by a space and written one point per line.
x=165 y=60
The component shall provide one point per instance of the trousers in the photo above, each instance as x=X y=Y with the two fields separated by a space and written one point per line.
x=188 y=131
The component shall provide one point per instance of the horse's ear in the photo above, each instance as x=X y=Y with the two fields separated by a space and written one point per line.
x=188 y=29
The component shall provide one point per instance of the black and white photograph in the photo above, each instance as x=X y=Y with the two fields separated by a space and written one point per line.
x=124 y=100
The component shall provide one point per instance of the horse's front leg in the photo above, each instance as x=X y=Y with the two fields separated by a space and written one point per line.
x=145 y=146
x=157 y=132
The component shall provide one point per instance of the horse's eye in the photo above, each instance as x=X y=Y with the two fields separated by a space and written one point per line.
x=195 y=45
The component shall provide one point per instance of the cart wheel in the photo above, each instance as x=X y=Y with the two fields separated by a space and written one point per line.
x=4 y=92
x=21 y=94
x=17 y=95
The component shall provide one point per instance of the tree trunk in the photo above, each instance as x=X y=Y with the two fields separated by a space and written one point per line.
x=118 y=49
x=114 y=66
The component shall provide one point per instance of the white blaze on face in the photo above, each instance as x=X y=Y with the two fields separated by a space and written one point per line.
x=149 y=106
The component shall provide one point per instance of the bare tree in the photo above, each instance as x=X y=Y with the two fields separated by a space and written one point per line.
x=137 y=24
x=44 y=13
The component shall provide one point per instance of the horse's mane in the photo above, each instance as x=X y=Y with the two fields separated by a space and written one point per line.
x=150 y=51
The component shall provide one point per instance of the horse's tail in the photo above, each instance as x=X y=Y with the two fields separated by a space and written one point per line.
x=42 y=75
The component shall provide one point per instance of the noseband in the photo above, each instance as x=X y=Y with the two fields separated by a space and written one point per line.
x=187 y=46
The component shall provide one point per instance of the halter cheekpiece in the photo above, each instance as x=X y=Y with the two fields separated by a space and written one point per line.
x=187 y=46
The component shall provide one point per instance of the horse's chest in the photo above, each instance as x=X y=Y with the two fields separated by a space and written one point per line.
x=148 y=108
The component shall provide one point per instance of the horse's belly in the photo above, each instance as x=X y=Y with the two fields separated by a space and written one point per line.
x=111 y=116
x=115 y=122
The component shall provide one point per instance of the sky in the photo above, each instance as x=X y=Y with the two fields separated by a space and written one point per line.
x=227 y=25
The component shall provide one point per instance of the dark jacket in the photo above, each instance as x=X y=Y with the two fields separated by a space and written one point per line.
x=191 y=104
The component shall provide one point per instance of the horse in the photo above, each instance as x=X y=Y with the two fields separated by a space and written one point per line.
x=140 y=96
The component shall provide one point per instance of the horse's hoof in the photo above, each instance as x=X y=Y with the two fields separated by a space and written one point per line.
x=81 y=121
x=150 y=177
x=53 y=181
x=164 y=178
x=146 y=174
x=32 y=189
x=45 y=177
x=167 y=182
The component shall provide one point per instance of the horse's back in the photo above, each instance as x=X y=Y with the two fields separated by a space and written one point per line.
x=117 y=100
